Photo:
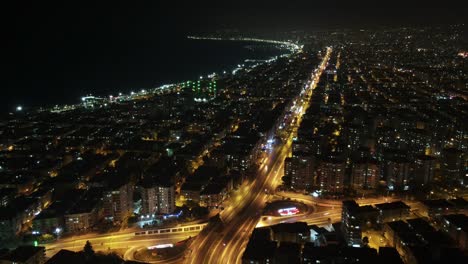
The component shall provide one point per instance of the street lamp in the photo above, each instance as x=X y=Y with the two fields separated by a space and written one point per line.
x=58 y=231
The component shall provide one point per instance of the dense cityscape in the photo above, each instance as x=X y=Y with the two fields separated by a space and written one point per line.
x=351 y=147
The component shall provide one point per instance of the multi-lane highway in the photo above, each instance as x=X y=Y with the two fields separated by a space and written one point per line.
x=241 y=217
x=118 y=240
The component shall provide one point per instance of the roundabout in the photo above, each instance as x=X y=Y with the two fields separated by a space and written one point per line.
x=282 y=211
x=285 y=208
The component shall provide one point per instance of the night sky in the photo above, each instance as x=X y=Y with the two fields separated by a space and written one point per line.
x=108 y=21
x=79 y=16
x=39 y=35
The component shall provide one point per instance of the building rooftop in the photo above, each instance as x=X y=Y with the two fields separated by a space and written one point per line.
x=213 y=188
x=392 y=206
x=439 y=203
x=83 y=206
x=389 y=255
x=312 y=253
x=260 y=250
x=459 y=203
x=409 y=238
x=17 y=206
x=90 y=200
x=420 y=226
x=437 y=238
x=191 y=186
x=296 y=227
x=66 y=256
x=22 y=253
x=161 y=173
x=399 y=227
x=288 y=252
x=261 y=234
x=428 y=254
x=458 y=220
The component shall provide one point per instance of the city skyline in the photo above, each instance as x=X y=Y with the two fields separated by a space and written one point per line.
x=235 y=132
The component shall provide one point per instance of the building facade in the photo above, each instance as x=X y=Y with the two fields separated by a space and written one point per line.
x=331 y=173
x=158 y=199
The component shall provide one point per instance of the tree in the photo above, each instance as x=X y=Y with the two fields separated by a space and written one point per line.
x=191 y=203
x=365 y=241
x=286 y=180
x=88 y=250
x=199 y=211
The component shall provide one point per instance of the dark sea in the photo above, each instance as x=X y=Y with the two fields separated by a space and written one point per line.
x=45 y=75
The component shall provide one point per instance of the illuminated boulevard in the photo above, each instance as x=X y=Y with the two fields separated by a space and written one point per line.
x=119 y=240
x=241 y=217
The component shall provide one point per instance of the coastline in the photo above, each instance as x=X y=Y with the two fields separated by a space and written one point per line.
x=271 y=41
x=291 y=47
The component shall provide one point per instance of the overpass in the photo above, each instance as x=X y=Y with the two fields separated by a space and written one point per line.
x=181 y=229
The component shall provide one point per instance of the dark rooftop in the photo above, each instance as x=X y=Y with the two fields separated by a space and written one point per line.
x=260 y=250
x=459 y=203
x=66 y=256
x=312 y=253
x=399 y=227
x=288 y=252
x=439 y=203
x=392 y=206
x=22 y=253
x=420 y=226
x=296 y=227
x=261 y=234
x=212 y=188
x=191 y=186
x=458 y=220
x=389 y=255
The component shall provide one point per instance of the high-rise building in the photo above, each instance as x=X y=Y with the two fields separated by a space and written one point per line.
x=158 y=188
x=301 y=171
x=157 y=198
x=365 y=174
x=356 y=136
x=417 y=141
x=118 y=201
x=350 y=224
x=453 y=165
x=331 y=173
x=396 y=173
x=86 y=213
x=423 y=171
